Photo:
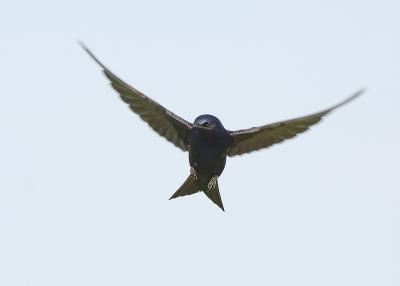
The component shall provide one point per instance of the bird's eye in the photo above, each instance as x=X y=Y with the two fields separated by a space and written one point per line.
x=207 y=124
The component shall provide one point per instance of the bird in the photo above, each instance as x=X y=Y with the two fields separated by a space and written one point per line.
x=206 y=139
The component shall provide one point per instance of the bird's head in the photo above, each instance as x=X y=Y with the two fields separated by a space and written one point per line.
x=207 y=121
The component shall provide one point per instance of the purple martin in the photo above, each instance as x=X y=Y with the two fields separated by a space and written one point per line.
x=206 y=140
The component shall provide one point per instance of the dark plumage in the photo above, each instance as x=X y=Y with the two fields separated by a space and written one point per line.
x=206 y=140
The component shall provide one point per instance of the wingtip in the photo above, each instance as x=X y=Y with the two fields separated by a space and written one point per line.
x=355 y=95
x=350 y=98
x=80 y=43
x=363 y=89
x=86 y=49
x=359 y=92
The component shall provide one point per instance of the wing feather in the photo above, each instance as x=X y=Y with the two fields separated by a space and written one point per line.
x=160 y=119
x=256 y=138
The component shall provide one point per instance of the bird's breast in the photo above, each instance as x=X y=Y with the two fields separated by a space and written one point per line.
x=207 y=151
x=209 y=141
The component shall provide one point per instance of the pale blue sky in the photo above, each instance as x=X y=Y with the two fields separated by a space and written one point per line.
x=85 y=184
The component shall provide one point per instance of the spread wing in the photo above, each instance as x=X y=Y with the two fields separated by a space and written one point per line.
x=249 y=140
x=163 y=121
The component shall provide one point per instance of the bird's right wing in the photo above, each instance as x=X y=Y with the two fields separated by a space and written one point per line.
x=249 y=140
x=163 y=121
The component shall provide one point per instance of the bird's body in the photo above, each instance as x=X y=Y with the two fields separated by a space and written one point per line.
x=206 y=140
x=207 y=149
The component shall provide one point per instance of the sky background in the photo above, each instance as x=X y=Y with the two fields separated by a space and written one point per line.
x=84 y=184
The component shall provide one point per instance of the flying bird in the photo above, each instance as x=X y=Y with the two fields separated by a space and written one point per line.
x=206 y=140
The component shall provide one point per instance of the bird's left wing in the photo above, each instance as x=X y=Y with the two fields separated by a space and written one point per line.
x=163 y=121
x=248 y=140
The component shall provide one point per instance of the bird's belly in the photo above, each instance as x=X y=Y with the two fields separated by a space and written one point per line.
x=207 y=160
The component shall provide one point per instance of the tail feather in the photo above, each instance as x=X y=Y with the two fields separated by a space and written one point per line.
x=189 y=187
x=214 y=195
x=192 y=186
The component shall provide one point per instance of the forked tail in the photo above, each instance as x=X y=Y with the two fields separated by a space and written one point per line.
x=192 y=186
x=189 y=187
x=214 y=195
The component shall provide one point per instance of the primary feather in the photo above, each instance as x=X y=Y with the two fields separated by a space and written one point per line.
x=164 y=122
x=256 y=138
